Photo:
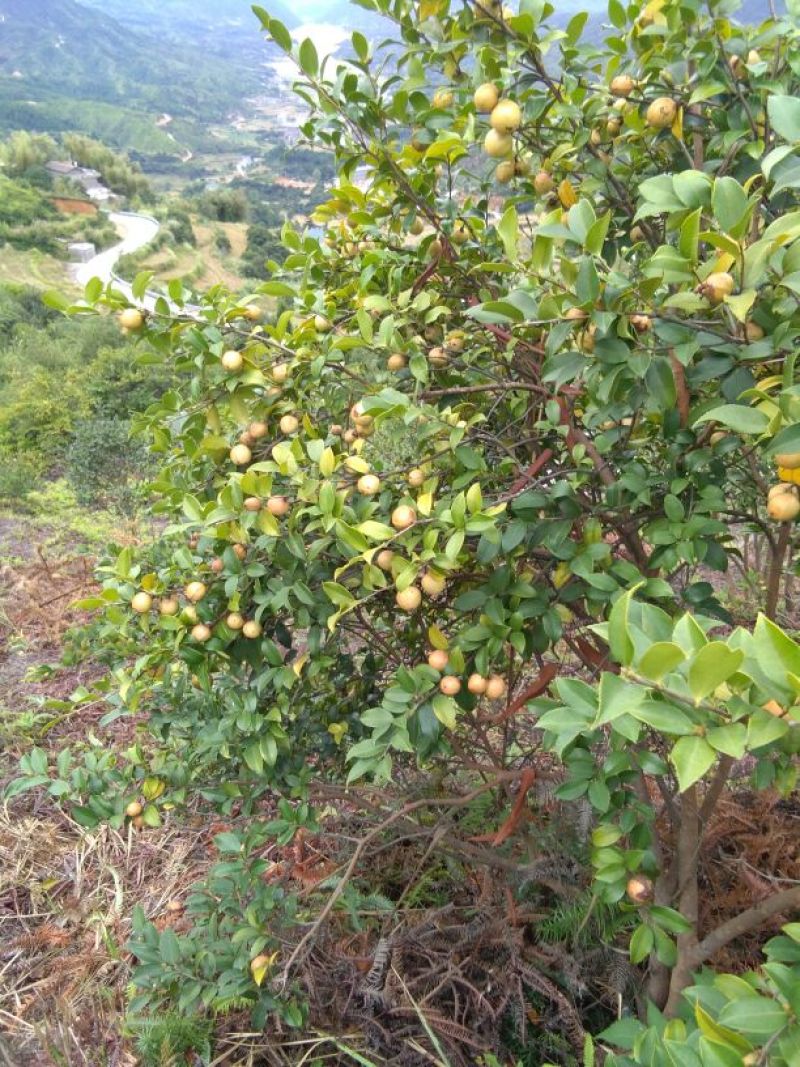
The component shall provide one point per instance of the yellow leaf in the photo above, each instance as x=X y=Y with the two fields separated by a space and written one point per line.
x=152 y=788
x=327 y=462
x=337 y=730
x=299 y=663
x=259 y=973
x=437 y=638
x=567 y=194
x=357 y=464
x=677 y=125
x=429 y=9
x=425 y=503
x=267 y=523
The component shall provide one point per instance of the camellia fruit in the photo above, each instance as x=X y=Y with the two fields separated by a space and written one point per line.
x=716 y=287
x=384 y=559
x=252 y=313
x=495 y=687
x=131 y=319
x=403 y=516
x=232 y=361
x=497 y=144
x=455 y=341
x=368 y=484
x=433 y=584
x=438 y=659
x=437 y=357
x=772 y=707
x=278 y=506
x=477 y=684
x=257 y=430
x=622 y=85
x=575 y=315
x=753 y=332
x=240 y=551
x=461 y=233
x=396 y=361
x=246 y=438
x=787 y=459
x=450 y=685
x=142 y=603
x=543 y=183
x=410 y=599
x=201 y=632
x=289 y=424
x=506 y=117
x=217 y=566
x=133 y=809
x=505 y=171
x=322 y=324
x=252 y=503
x=486 y=97
x=169 y=606
x=252 y=629
x=234 y=621
x=639 y=889
x=279 y=372
x=240 y=455
x=784 y=507
x=415 y=478
x=641 y=323
x=442 y=98
x=661 y=113
x=195 y=591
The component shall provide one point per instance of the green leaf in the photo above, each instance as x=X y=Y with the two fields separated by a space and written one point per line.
x=169 y=947
x=508 y=231
x=669 y=919
x=309 y=60
x=660 y=659
x=756 y=1017
x=729 y=203
x=691 y=757
x=617 y=697
x=641 y=943
x=737 y=417
x=619 y=639
x=784 y=116
x=711 y=666
x=93 y=290
x=445 y=709
x=730 y=739
x=666 y=718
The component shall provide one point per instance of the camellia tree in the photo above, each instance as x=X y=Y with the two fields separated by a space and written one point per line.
x=456 y=498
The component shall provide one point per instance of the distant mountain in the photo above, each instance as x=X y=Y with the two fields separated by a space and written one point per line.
x=64 y=65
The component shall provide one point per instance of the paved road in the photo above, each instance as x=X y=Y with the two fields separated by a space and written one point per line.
x=135 y=231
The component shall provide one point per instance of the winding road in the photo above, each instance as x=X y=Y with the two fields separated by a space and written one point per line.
x=136 y=231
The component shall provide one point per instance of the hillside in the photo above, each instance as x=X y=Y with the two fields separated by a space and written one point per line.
x=66 y=66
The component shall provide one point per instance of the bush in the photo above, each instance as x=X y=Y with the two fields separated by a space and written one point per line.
x=104 y=467
x=468 y=492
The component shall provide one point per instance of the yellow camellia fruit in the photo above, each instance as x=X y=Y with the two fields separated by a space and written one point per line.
x=368 y=484
x=169 y=606
x=396 y=362
x=251 y=629
x=461 y=233
x=195 y=591
x=322 y=324
x=131 y=319
x=403 y=516
x=497 y=144
x=384 y=559
x=437 y=357
x=240 y=455
x=279 y=372
x=477 y=684
x=543 y=183
x=661 y=113
x=133 y=809
x=495 y=687
x=252 y=503
x=415 y=478
x=433 y=584
x=506 y=116
x=201 y=632
x=257 y=430
x=639 y=889
x=234 y=621
x=790 y=460
x=142 y=603
x=622 y=85
x=717 y=286
x=277 y=506
x=410 y=599
x=232 y=361
x=450 y=685
x=486 y=97
x=443 y=98
x=753 y=332
x=505 y=171
x=784 y=506
x=438 y=659
x=289 y=424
